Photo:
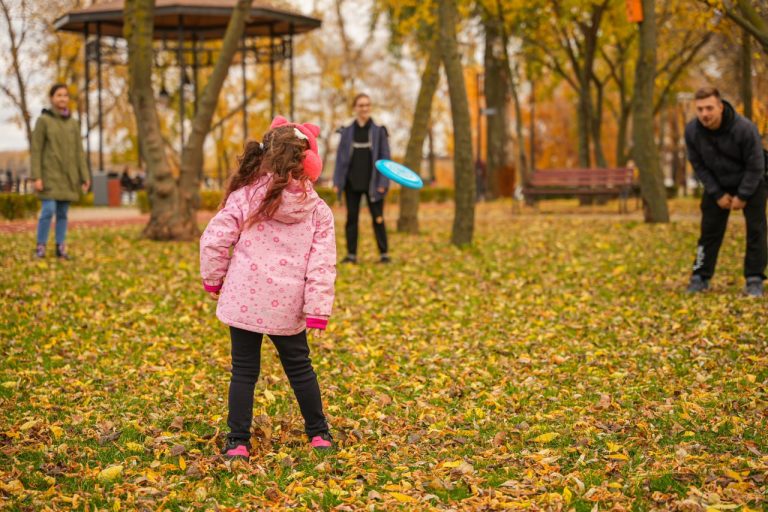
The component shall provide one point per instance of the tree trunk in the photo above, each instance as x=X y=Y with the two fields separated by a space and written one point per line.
x=464 y=179
x=678 y=163
x=645 y=151
x=597 y=126
x=174 y=202
x=583 y=118
x=161 y=186
x=520 y=160
x=531 y=136
x=408 y=221
x=431 y=157
x=622 y=154
x=192 y=153
x=746 y=73
x=496 y=78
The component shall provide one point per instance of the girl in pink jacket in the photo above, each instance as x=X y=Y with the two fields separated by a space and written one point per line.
x=269 y=258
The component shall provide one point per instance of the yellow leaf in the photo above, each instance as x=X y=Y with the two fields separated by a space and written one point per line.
x=452 y=464
x=28 y=425
x=56 y=431
x=110 y=473
x=567 y=495
x=134 y=447
x=545 y=438
x=12 y=487
x=269 y=396
x=182 y=464
x=618 y=456
x=116 y=505
x=9 y=384
x=613 y=447
x=391 y=487
x=688 y=433
x=614 y=485
x=733 y=475
x=402 y=498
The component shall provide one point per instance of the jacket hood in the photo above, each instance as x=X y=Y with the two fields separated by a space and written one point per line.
x=296 y=203
x=729 y=117
x=53 y=113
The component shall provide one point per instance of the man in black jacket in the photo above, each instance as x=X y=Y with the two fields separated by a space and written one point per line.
x=726 y=152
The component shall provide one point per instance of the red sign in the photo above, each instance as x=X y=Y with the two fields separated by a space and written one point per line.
x=635 y=11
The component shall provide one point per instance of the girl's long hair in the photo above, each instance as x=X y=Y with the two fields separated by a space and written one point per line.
x=281 y=153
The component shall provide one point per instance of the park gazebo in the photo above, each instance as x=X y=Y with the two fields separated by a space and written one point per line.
x=186 y=32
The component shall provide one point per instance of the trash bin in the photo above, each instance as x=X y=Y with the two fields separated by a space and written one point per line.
x=106 y=189
x=114 y=191
x=100 y=194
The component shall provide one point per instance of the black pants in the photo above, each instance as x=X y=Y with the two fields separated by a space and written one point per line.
x=714 y=220
x=246 y=364
x=353 y=214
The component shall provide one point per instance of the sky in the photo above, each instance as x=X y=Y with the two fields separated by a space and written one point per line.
x=12 y=135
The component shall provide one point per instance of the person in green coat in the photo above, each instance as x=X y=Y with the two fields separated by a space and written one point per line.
x=58 y=168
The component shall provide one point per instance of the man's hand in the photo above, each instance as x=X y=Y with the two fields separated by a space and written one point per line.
x=39 y=185
x=725 y=202
x=86 y=186
x=214 y=295
x=738 y=203
x=381 y=190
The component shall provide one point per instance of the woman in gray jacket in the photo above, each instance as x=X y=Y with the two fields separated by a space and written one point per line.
x=362 y=143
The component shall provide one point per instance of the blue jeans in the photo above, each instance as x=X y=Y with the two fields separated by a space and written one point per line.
x=51 y=206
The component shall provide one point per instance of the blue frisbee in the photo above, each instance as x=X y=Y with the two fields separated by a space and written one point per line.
x=399 y=173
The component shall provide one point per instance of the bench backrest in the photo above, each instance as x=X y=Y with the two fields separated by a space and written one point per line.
x=588 y=178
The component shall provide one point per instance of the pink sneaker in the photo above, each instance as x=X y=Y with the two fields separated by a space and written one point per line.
x=236 y=449
x=323 y=441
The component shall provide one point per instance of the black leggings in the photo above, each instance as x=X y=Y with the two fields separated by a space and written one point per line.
x=246 y=365
x=353 y=214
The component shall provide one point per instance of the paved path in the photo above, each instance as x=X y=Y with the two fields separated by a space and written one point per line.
x=92 y=217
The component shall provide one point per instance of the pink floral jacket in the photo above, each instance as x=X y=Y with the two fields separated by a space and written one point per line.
x=276 y=276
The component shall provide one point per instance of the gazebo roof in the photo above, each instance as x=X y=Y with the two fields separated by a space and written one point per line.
x=207 y=19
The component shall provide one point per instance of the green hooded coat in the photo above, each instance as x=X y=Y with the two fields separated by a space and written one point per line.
x=58 y=157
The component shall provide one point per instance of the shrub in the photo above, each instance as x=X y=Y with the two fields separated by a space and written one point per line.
x=326 y=194
x=426 y=195
x=210 y=200
x=18 y=206
x=142 y=201
x=85 y=200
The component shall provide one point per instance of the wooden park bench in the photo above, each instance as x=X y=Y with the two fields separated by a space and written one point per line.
x=618 y=183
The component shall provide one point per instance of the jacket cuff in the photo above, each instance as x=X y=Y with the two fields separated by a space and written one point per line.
x=212 y=287
x=317 y=323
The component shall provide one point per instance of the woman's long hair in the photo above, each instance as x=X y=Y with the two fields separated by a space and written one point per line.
x=282 y=154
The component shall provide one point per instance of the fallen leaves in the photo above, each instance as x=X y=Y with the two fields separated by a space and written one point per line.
x=511 y=375
x=546 y=438
x=110 y=473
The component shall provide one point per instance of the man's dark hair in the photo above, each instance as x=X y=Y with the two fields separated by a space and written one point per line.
x=55 y=88
x=706 y=92
x=357 y=98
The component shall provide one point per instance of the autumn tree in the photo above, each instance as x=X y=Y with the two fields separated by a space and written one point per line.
x=645 y=150
x=174 y=200
x=464 y=193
